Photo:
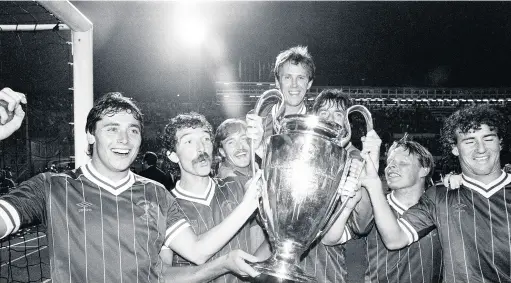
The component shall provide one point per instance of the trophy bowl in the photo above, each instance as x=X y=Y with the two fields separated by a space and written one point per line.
x=303 y=168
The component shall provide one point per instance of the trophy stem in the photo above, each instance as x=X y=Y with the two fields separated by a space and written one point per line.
x=283 y=265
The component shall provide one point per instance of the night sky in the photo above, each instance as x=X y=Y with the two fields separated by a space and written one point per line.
x=444 y=44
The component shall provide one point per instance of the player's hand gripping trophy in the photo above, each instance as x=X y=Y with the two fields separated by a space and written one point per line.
x=305 y=163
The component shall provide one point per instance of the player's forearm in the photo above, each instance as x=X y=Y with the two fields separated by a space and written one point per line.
x=362 y=216
x=191 y=274
x=334 y=235
x=213 y=240
x=390 y=231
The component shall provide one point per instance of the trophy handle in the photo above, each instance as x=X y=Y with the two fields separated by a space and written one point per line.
x=263 y=197
x=338 y=212
x=262 y=104
x=343 y=141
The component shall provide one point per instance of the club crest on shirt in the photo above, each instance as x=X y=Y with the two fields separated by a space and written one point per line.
x=84 y=206
x=459 y=207
x=150 y=210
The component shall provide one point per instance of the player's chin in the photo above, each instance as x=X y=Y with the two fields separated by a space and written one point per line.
x=242 y=163
x=202 y=171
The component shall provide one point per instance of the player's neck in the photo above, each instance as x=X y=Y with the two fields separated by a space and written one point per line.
x=193 y=183
x=113 y=176
x=231 y=167
x=294 y=109
x=409 y=196
x=485 y=179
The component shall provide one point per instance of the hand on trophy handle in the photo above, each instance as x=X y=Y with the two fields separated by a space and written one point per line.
x=371 y=144
x=370 y=178
x=350 y=193
x=253 y=190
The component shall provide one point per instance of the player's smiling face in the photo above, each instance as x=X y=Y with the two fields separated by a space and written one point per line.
x=478 y=152
x=194 y=150
x=116 y=142
x=236 y=149
x=293 y=82
x=403 y=169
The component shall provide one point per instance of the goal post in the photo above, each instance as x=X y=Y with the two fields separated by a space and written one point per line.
x=81 y=32
x=82 y=39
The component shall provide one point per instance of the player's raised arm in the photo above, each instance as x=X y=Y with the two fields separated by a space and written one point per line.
x=391 y=233
x=11 y=113
x=199 y=248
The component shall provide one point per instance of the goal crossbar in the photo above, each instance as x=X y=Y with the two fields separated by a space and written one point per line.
x=81 y=32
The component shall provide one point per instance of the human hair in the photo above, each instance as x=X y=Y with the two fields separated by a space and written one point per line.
x=150 y=158
x=169 y=140
x=425 y=157
x=295 y=55
x=111 y=104
x=471 y=118
x=332 y=96
x=224 y=130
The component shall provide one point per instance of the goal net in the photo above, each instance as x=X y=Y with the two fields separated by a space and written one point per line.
x=46 y=53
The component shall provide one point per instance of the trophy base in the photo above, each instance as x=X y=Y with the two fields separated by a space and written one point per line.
x=280 y=271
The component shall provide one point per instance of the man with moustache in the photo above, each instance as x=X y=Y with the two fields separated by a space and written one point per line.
x=472 y=221
x=105 y=223
x=232 y=148
x=206 y=202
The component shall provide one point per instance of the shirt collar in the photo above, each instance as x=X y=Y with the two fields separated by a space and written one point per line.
x=396 y=204
x=204 y=198
x=487 y=190
x=115 y=188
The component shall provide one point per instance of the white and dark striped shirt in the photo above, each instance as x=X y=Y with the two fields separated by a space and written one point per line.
x=98 y=230
x=209 y=209
x=419 y=262
x=474 y=226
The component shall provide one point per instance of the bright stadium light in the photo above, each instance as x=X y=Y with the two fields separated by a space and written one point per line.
x=189 y=26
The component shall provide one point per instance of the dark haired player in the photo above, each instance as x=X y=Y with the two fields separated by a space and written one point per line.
x=104 y=223
x=472 y=221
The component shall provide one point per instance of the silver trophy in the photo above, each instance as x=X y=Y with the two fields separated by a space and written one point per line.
x=305 y=164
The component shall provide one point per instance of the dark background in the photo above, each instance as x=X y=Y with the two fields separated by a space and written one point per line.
x=441 y=44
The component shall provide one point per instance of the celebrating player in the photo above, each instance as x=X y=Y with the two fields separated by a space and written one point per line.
x=472 y=221
x=104 y=223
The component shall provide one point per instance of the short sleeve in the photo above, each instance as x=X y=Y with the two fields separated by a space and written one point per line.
x=176 y=220
x=419 y=219
x=25 y=205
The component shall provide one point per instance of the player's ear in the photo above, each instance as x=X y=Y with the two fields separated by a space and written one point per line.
x=222 y=152
x=455 y=150
x=91 y=139
x=172 y=156
x=424 y=171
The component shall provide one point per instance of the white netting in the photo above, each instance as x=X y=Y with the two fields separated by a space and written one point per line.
x=35 y=62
